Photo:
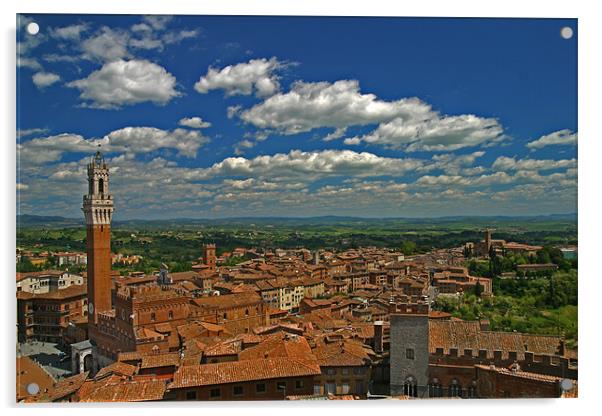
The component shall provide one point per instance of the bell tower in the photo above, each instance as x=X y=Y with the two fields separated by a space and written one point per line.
x=98 y=211
x=209 y=256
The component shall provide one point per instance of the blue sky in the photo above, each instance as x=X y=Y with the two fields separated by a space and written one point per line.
x=208 y=116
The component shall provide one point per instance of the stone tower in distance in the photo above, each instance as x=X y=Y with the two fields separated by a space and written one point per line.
x=209 y=257
x=98 y=211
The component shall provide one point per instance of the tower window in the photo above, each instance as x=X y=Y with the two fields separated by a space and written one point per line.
x=101 y=186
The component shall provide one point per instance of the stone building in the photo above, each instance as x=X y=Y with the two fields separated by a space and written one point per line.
x=47 y=316
x=438 y=358
x=409 y=354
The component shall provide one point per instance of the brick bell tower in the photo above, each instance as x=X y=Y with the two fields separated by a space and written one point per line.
x=98 y=211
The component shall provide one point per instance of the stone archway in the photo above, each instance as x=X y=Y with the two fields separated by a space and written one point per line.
x=87 y=362
x=82 y=359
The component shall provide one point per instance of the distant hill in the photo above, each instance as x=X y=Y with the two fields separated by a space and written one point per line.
x=28 y=221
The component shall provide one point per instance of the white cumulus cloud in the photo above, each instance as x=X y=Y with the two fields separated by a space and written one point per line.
x=566 y=137
x=407 y=123
x=298 y=164
x=435 y=132
x=148 y=139
x=322 y=104
x=257 y=75
x=44 y=79
x=128 y=140
x=71 y=32
x=194 y=123
x=504 y=163
x=106 y=45
x=122 y=82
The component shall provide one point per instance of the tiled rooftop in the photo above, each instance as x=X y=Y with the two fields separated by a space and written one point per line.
x=241 y=371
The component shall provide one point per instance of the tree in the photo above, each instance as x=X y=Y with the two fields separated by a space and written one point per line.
x=467 y=251
x=478 y=289
x=408 y=247
x=543 y=256
x=25 y=266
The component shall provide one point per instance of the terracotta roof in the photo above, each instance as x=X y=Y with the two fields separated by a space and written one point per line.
x=468 y=335
x=145 y=333
x=28 y=371
x=520 y=374
x=117 y=367
x=343 y=353
x=214 y=327
x=248 y=338
x=69 y=292
x=280 y=345
x=65 y=387
x=228 y=301
x=179 y=276
x=24 y=275
x=129 y=356
x=120 y=390
x=293 y=328
x=241 y=371
x=160 y=360
x=163 y=327
x=230 y=347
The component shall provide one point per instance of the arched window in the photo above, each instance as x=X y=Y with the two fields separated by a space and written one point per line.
x=153 y=316
x=170 y=314
x=455 y=389
x=472 y=390
x=246 y=312
x=409 y=387
x=435 y=388
x=101 y=186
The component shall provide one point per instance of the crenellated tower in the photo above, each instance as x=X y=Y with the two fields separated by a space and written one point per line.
x=98 y=211
x=209 y=257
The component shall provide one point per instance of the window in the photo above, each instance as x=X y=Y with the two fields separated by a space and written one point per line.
x=238 y=390
x=345 y=387
x=281 y=385
x=410 y=353
x=260 y=388
x=455 y=389
x=435 y=389
x=170 y=314
x=331 y=371
x=358 y=371
x=153 y=316
x=344 y=371
x=225 y=315
x=299 y=384
x=317 y=389
x=410 y=387
x=215 y=393
x=330 y=388
x=359 y=387
x=191 y=395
